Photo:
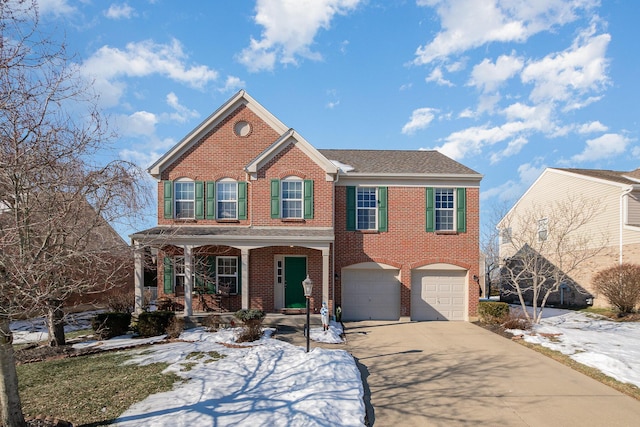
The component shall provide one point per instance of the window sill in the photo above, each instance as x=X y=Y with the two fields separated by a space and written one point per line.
x=368 y=231
x=185 y=220
x=292 y=220
x=227 y=221
x=446 y=232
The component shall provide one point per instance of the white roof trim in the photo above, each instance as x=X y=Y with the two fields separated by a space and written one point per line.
x=240 y=98
x=563 y=172
x=291 y=137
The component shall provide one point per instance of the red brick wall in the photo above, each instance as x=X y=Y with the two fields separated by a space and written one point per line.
x=406 y=244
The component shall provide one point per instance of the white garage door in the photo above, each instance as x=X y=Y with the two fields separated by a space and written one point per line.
x=370 y=293
x=438 y=294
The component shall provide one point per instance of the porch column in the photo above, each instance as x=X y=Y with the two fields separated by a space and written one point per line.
x=245 y=277
x=325 y=275
x=188 y=280
x=138 y=278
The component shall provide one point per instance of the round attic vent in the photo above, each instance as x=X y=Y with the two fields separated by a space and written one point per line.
x=242 y=128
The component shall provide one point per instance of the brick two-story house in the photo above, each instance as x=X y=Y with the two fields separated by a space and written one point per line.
x=247 y=206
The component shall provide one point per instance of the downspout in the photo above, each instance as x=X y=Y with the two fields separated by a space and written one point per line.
x=622 y=195
x=333 y=252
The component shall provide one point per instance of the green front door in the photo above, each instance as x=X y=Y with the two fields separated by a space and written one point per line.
x=295 y=271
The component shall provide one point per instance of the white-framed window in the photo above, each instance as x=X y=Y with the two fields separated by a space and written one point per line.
x=227 y=199
x=505 y=235
x=543 y=229
x=179 y=272
x=227 y=273
x=292 y=198
x=184 y=198
x=445 y=209
x=366 y=208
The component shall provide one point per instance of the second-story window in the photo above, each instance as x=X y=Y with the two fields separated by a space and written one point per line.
x=184 y=199
x=444 y=209
x=366 y=208
x=543 y=229
x=292 y=198
x=227 y=199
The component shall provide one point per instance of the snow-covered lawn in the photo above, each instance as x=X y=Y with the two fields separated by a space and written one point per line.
x=265 y=383
x=611 y=347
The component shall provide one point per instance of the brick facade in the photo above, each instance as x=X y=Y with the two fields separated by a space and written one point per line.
x=219 y=153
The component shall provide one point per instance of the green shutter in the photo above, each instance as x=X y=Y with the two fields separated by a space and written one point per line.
x=382 y=209
x=461 y=209
x=430 y=202
x=168 y=199
x=351 y=208
x=239 y=275
x=275 y=198
x=211 y=274
x=308 y=199
x=168 y=275
x=199 y=199
x=211 y=200
x=242 y=200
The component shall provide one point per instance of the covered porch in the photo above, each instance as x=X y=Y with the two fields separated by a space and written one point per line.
x=267 y=262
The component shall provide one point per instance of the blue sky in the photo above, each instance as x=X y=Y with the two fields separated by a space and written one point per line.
x=505 y=87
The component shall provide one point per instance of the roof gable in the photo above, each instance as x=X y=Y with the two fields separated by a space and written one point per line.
x=241 y=98
x=292 y=137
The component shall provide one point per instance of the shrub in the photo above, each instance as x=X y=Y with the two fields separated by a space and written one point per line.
x=111 y=324
x=516 y=320
x=212 y=322
x=252 y=320
x=493 y=311
x=620 y=285
x=175 y=327
x=121 y=302
x=154 y=323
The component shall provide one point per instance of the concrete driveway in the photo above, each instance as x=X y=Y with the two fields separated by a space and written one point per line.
x=458 y=374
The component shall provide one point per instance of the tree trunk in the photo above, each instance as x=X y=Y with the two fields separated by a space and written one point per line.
x=55 y=324
x=10 y=406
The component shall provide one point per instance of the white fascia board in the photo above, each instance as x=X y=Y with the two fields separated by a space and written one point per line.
x=292 y=137
x=409 y=180
x=240 y=98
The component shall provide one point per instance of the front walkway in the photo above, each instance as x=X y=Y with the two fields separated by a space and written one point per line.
x=458 y=374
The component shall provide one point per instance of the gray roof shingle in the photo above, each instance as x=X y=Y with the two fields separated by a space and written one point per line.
x=397 y=162
x=621 y=177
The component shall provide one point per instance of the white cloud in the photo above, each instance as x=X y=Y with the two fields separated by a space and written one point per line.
x=591 y=127
x=420 y=119
x=468 y=24
x=488 y=76
x=512 y=189
x=605 y=146
x=56 y=8
x=289 y=29
x=513 y=147
x=436 y=76
x=109 y=65
x=181 y=113
x=123 y=11
x=567 y=75
x=139 y=123
x=232 y=84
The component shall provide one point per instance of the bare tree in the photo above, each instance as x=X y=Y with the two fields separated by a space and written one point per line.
x=490 y=247
x=55 y=202
x=547 y=245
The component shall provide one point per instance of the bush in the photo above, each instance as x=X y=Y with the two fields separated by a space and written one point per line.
x=252 y=320
x=212 y=322
x=620 y=285
x=516 y=320
x=493 y=311
x=121 y=302
x=111 y=324
x=154 y=323
x=175 y=327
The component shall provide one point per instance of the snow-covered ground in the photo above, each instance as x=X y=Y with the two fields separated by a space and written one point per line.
x=611 y=347
x=264 y=383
